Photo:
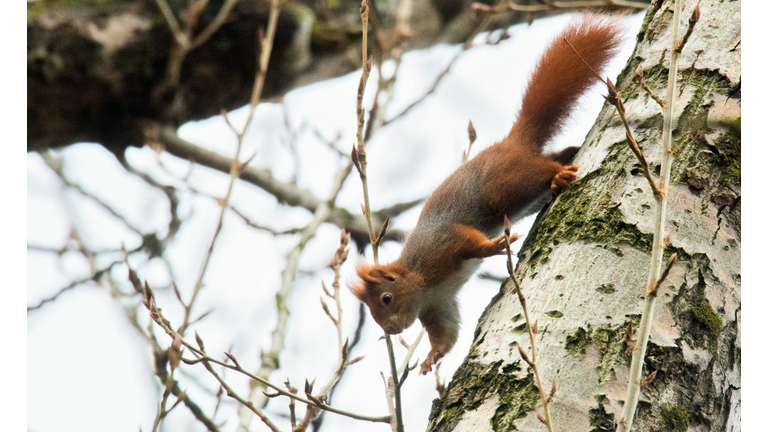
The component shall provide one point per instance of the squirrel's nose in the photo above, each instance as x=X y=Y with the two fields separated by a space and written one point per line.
x=391 y=329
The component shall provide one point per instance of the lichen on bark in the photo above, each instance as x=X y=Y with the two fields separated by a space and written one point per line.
x=516 y=391
x=609 y=341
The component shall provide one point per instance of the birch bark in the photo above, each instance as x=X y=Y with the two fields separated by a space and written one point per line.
x=585 y=263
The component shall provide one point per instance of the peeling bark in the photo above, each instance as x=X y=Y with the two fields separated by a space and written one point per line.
x=584 y=265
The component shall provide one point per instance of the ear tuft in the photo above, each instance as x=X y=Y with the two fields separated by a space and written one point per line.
x=370 y=273
x=358 y=289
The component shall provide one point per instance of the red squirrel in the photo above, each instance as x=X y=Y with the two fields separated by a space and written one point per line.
x=461 y=222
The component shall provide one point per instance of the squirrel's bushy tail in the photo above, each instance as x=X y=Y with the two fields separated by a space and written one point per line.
x=561 y=77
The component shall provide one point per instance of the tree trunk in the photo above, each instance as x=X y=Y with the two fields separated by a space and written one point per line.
x=584 y=266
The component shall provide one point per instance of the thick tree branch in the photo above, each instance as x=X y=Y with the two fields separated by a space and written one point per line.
x=284 y=192
x=111 y=61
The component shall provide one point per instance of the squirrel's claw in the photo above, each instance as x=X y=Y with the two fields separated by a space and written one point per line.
x=432 y=358
x=565 y=177
x=501 y=244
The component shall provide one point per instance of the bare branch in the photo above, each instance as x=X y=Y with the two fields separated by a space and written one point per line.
x=286 y=193
x=694 y=18
x=246 y=403
x=656 y=276
x=532 y=328
x=614 y=98
x=74 y=284
x=55 y=164
x=664 y=274
x=269 y=359
x=644 y=85
x=202 y=357
x=511 y=6
x=220 y=18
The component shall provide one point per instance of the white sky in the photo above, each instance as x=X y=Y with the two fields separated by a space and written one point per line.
x=89 y=370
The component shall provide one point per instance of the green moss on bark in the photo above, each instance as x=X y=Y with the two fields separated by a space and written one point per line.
x=728 y=148
x=577 y=342
x=700 y=325
x=521 y=328
x=706 y=317
x=587 y=213
x=554 y=314
x=675 y=418
x=608 y=340
x=599 y=419
x=608 y=288
x=474 y=383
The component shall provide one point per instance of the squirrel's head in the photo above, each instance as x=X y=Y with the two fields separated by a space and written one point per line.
x=391 y=293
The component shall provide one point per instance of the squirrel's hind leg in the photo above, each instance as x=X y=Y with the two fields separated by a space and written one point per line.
x=566 y=174
x=566 y=155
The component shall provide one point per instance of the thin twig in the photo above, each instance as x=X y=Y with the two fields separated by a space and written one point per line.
x=270 y=358
x=614 y=98
x=343 y=346
x=664 y=274
x=245 y=218
x=236 y=166
x=174 y=357
x=361 y=314
x=411 y=349
x=92 y=278
x=285 y=192
x=234 y=173
x=202 y=357
x=394 y=383
x=265 y=54
x=384 y=89
x=647 y=88
x=532 y=328
x=684 y=143
x=170 y=19
x=246 y=403
x=185 y=42
x=472 y=135
x=586 y=63
x=359 y=158
x=657 y=249
x=214 y=26
x=692 y=20
x=55 y=164
x=95 y=277
x=484 y=25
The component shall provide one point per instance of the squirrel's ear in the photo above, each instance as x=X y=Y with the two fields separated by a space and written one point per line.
x=382 y=275
x=374 y=274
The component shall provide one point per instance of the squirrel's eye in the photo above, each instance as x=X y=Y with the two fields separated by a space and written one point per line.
x=386 y=298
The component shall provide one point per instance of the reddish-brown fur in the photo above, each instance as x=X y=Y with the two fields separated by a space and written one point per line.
x=461 y=221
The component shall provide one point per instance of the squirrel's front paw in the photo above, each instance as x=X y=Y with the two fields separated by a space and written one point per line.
x=432 y=358
x=499 y=244
x=565 y=177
